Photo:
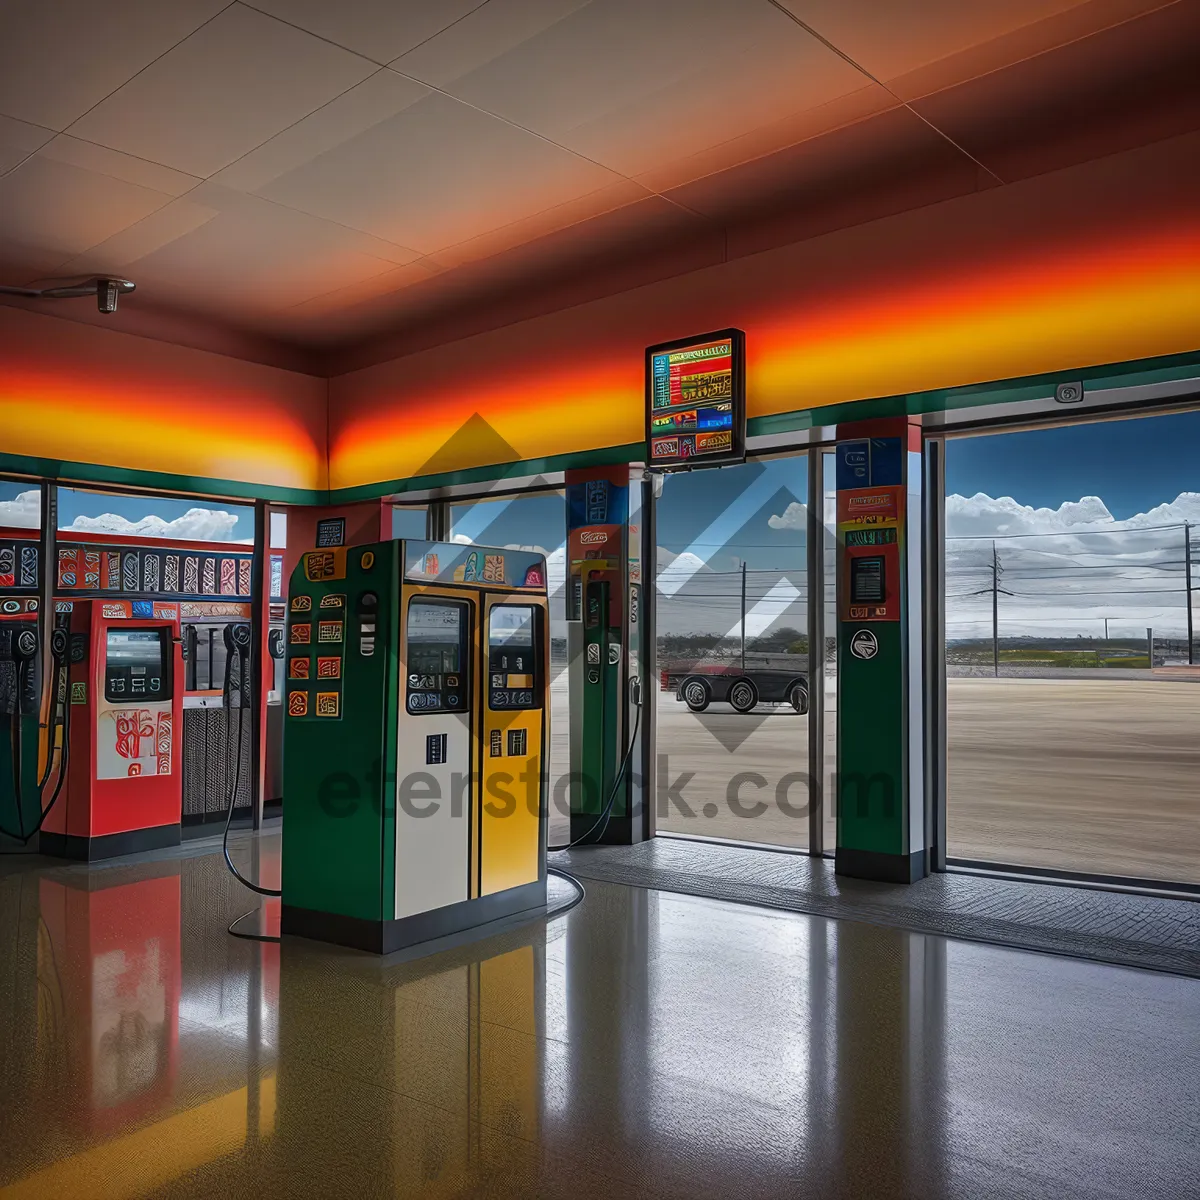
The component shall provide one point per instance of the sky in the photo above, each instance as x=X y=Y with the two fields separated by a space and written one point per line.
x=144 y=516
x=1132 y=465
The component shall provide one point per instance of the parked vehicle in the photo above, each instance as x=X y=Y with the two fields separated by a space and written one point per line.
x=743 y=690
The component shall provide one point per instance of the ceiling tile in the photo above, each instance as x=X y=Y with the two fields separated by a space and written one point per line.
x=258 y=208
x=103 y=161
x=435 y=175
x=389 y=281
x=491 y=30
x=22 y=264
x=18 y=140
x=612 y=57
x=1117 y=89
x=752 y=89
x=59 y=57
x=243 y=262
x=377 y=29
x=122 y=251
x=235 y=83
x=770 y=138
x=65 y=208
x=613 y=196
x=381 y=96
x=890 y=40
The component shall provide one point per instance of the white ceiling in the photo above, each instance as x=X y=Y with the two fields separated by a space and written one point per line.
x=290 y=165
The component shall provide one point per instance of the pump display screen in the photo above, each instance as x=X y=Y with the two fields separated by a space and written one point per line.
x=137 y=665
x=695 y=398
x=867 y=581
x=436 y=657
x=514 y=672
x=871 y=537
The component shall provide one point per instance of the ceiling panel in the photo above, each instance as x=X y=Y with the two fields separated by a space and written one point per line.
x=235 y=83
x=59 y=57
x=377 y=98
x=890 y=40
x=584 y=209
x=121 y=252
x=63 y=208
x=716 y=106
x=380 y=30
x=249 y=261
x=18 y=140
x=1119 y=88
x=771 y=138
x=66 y=149
x=490 y=31
x=610 y=57
x=437 y=174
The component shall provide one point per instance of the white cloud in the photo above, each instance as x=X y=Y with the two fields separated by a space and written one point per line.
x=197 y=524
x=23 y=511
x=1067 y=568
x=795 y=516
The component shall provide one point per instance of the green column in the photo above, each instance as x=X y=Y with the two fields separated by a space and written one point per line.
x=879 y=789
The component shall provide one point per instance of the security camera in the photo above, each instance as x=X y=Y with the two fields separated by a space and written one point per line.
x=104 y=289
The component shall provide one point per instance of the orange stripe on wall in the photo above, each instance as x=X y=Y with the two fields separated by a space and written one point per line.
x=1054 y=307
x=76 y=393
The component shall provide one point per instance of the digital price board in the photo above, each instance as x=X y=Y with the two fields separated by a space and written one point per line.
x=696 y=401
x=871 y=537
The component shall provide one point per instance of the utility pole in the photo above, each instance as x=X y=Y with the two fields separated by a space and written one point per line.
x=1187 y=558
x=743 y=621
x=995 y=611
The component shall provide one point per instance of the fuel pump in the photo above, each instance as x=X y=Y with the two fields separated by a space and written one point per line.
x=19 y=703
x=124 y=695
x=235 y=693
x=606 y=645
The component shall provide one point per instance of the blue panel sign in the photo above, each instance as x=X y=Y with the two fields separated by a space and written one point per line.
x=871 y=462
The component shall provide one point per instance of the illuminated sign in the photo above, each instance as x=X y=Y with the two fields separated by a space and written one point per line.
x=696 y=401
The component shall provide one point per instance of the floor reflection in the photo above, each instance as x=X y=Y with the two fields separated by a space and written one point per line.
x=645 y=1044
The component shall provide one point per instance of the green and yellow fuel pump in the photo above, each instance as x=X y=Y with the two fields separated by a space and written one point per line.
x=415 y=741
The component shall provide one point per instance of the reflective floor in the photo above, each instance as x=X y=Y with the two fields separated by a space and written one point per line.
x=645 y=1044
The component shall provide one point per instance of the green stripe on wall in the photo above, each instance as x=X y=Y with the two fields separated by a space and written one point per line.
x=92 y=473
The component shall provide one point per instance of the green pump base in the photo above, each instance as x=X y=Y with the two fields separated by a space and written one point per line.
x=884 y=868
x=477 y=915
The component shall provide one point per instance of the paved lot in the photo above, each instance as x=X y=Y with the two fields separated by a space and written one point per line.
x=1096 y=775
x=1089 y=775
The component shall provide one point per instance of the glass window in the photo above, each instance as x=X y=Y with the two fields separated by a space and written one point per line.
x=436 y=656
x=1072 y=694
x=20 y=505
x=84 y=512
x=732 y=615
x=409 y=521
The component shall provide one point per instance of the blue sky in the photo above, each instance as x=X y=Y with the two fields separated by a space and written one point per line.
x=1131 y=465
x=73 y=504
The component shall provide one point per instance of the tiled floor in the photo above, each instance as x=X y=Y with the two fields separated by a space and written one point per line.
x=645 y=1044
x=1128 y=929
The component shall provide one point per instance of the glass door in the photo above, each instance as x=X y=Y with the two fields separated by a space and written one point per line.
x=732 y=620
x=1072 y=693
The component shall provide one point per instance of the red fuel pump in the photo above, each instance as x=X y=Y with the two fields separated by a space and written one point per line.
x=124 y=790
